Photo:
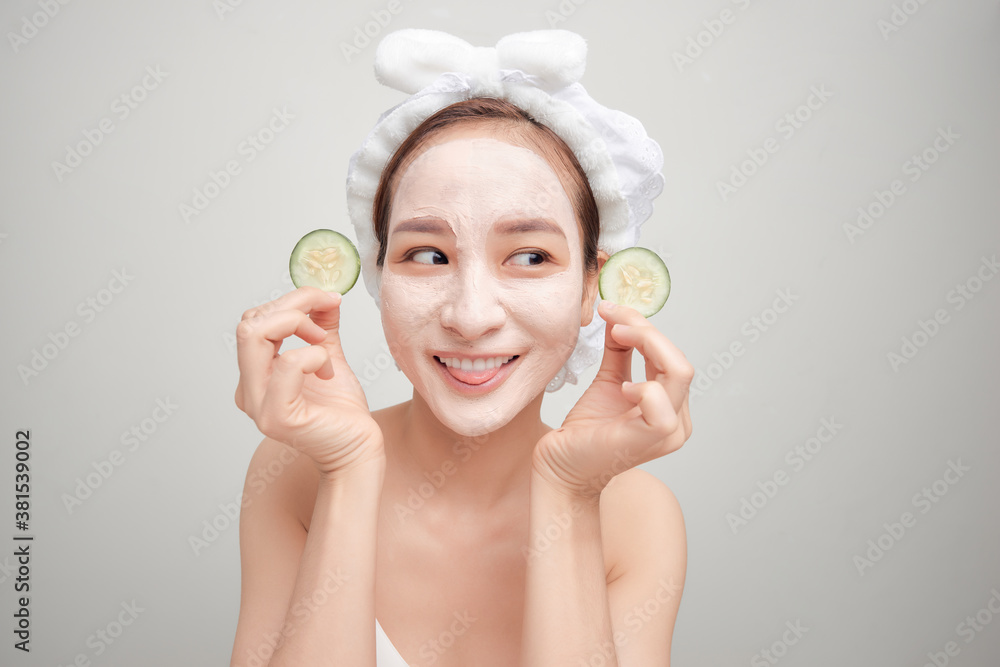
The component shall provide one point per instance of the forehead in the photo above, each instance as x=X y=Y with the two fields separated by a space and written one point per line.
x=467 y=163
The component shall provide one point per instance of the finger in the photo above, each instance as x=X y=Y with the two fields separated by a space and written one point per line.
x=288 y=376
x=686 y=418
x=657 y=418
x=618 y=314
x=665 y=363
x=305 y=299
x=616 y=364
x=257 y=343
x=327 y=316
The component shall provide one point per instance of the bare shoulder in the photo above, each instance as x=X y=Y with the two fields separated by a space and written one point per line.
x=641 y=522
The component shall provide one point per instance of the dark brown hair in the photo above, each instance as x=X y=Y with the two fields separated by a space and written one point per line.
x=512 y=124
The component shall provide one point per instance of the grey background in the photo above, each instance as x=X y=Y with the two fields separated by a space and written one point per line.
x=168 y=333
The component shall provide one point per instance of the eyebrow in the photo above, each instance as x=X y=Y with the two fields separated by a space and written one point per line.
x=529 y=225
x=427 y=225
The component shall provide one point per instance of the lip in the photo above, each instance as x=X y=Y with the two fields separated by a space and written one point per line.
x=476 y=389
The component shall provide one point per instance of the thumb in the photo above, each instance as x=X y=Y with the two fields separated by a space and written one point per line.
x=616 y=365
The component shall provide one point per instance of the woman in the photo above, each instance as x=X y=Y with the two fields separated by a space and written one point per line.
x=458 y=524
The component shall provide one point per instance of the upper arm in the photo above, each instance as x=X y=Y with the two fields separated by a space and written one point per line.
x=650 y=562
x=272 y=538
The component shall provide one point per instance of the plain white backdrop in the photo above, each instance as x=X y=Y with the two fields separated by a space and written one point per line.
x=779 y=120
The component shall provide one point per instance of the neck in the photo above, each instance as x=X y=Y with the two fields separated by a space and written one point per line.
x=474 y=472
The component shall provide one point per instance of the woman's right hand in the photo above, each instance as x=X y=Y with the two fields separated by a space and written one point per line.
x=307 y=398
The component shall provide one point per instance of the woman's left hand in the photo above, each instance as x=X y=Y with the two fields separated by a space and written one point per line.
x=614 y=427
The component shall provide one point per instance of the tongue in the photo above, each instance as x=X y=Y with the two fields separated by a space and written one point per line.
x=472 y=377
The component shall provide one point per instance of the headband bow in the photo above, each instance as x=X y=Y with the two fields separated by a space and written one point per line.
x=410 y=60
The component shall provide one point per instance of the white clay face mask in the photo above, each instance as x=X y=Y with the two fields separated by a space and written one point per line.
x=482 y=283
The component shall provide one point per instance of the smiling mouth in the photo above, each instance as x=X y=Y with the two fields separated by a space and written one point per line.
x=475 y=371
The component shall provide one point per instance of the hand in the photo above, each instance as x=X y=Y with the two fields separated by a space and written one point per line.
x=307 y=398
x=613 y=427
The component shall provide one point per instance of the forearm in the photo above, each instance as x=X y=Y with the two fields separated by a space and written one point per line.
x=331 y=614
x=567 y=619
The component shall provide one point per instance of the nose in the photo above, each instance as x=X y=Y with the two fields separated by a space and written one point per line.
x=473 y=309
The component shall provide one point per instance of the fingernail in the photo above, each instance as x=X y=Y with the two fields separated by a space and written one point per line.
x=610 y=305
x=626 y=384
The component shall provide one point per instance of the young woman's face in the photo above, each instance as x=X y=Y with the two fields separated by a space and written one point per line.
x=483 y=291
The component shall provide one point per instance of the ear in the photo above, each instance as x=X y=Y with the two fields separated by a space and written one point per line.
x=590 y=290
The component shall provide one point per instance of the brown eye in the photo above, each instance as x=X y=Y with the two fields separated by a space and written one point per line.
x=530 y=258
x=428 y=257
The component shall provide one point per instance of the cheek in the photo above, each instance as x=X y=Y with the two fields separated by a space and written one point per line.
x=550 y=306
x=409 y=304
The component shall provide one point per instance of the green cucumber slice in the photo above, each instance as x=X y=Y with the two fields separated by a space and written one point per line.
x=325 y=259
x=635 y=277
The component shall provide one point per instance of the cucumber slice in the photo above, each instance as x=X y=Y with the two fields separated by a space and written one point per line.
x=325 y=259
x=635 y=277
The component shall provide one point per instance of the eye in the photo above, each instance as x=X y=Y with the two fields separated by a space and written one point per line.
x=530 y=258
x=428 y=256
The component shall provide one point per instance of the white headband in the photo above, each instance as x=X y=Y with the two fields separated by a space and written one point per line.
x=537 y=71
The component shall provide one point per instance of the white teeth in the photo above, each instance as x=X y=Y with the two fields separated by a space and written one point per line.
x=475 y=365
